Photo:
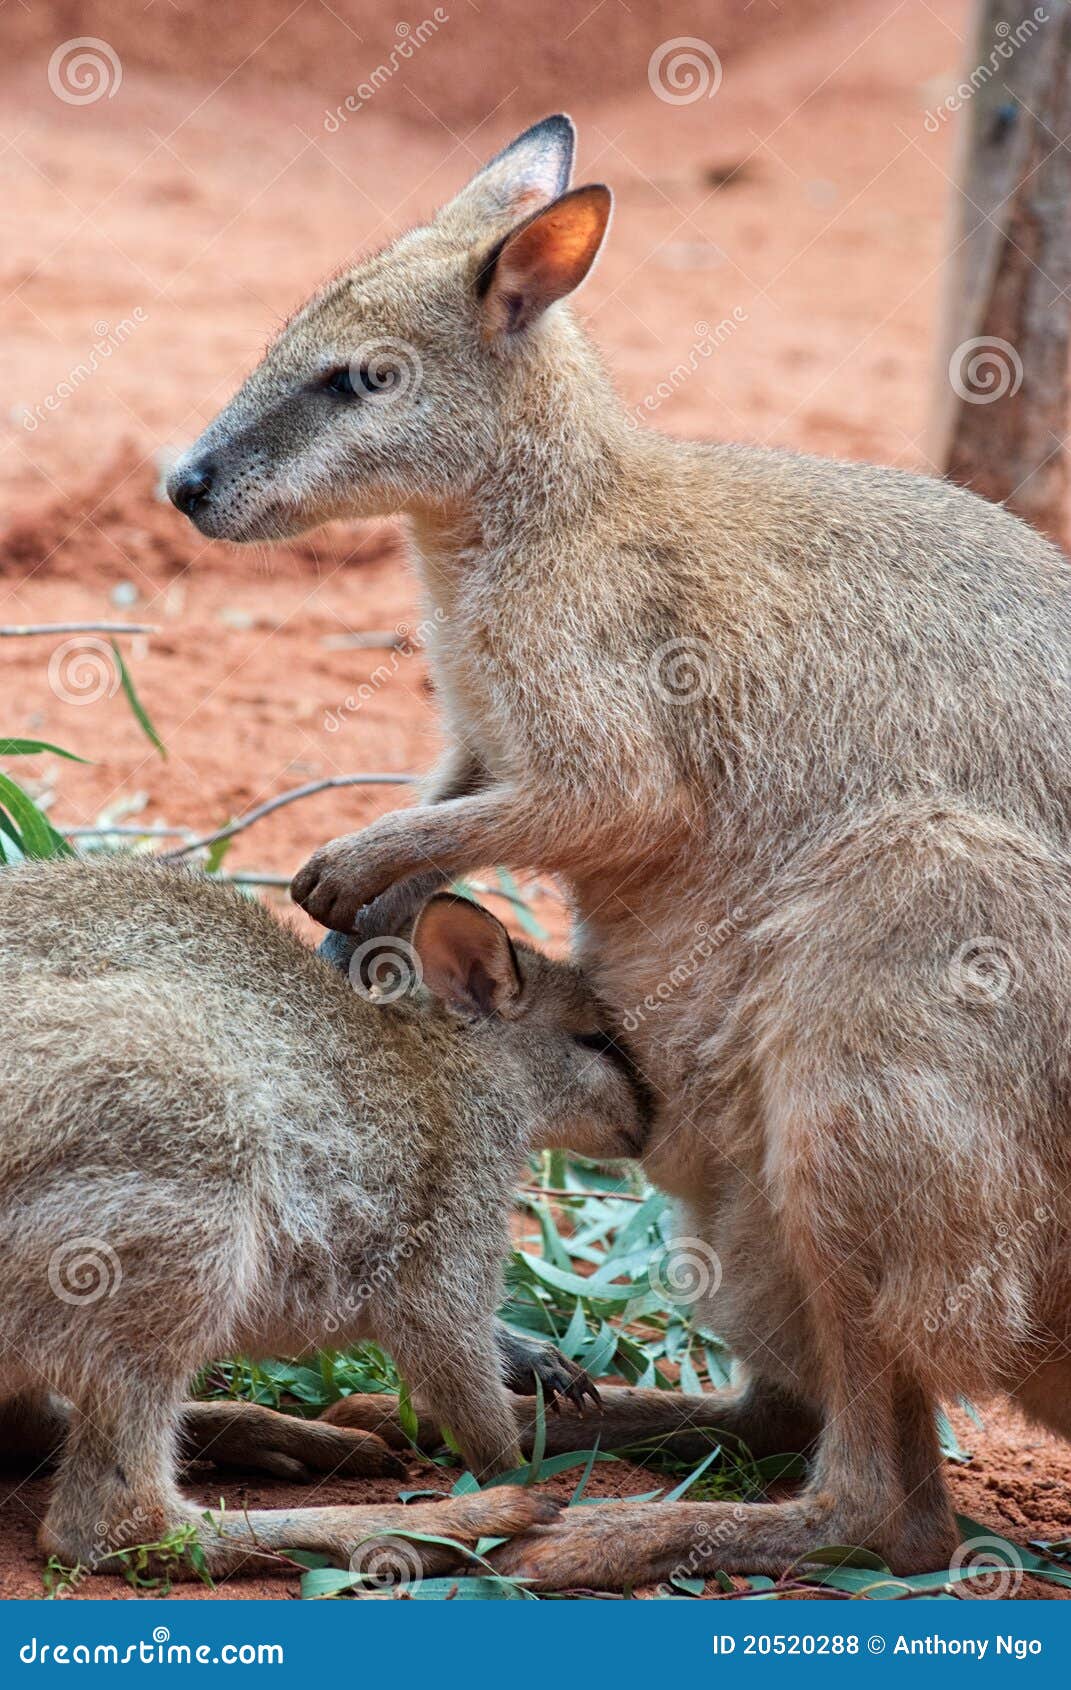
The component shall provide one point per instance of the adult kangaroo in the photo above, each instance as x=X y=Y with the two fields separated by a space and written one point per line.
x=797 y=736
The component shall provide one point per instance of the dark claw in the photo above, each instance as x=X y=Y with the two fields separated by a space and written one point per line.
x=565 y=1382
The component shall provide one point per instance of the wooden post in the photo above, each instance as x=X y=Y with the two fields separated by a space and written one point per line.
x=1001 y=412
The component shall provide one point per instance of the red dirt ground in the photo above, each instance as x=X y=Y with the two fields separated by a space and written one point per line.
x=803 y=205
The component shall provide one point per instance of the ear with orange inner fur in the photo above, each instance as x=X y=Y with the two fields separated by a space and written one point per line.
x=543 y=259
x=466 y=955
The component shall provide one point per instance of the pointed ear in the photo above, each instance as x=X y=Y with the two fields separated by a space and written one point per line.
x=466 y=955
x=532 y=170
x=544 y=259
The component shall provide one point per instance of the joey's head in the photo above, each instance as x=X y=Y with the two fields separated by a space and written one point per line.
x=394 y=387
x=577 y=1086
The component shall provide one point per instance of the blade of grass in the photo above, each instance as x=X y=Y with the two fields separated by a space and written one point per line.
x=539 y=1441
x=689 y=1480
x=141 y=715
x=34 y=833
x=34 y=747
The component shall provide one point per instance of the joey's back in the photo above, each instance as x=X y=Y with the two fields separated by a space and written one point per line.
x=221 y=1013
x=141 y=992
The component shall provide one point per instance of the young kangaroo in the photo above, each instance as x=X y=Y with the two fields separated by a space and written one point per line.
x=211 y=1143
x=797 y=734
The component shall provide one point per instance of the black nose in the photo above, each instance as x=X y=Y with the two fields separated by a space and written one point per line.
x=189 y=488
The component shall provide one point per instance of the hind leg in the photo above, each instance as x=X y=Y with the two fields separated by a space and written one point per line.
x=116 y=1490
x=115 y=1486
x=928 y=1532
x=854 y=1497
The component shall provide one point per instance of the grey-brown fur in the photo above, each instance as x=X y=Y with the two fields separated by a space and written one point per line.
x=211 y=1143
x=863 y=781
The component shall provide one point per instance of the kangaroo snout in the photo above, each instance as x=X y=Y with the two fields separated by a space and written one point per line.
x=189 y=486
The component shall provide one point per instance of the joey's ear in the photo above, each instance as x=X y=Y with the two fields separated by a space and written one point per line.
x=466 y=955
x=544 y=259
x=532 y=170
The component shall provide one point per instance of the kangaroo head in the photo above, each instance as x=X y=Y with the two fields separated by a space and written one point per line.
x=393 y=388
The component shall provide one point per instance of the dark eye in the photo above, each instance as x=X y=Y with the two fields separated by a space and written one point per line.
x=341 y=382
x=593 y=1041
x=352 y=381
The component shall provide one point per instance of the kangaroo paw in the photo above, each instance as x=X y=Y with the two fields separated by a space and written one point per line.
x=526 y=1360
x=244 y=1434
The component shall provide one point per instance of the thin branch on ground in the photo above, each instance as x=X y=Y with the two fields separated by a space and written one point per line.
x=126 y=830
x=583 y=1196
x=250 y=877
x=308 y=791
x=18 y=630
x=385 y=639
